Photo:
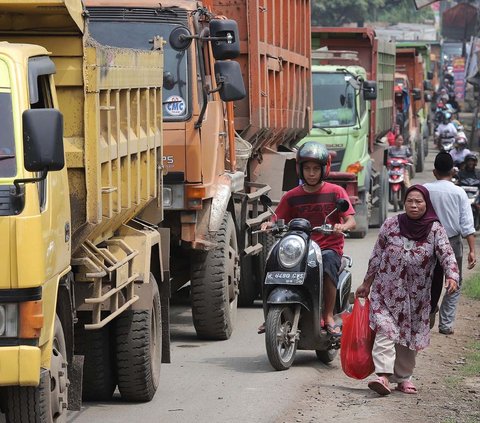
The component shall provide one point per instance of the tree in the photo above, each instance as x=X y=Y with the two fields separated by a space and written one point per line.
x=340 y=12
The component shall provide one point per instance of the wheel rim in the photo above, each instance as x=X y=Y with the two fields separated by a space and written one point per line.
x=58 y=379
x=233 y=273
x=285 y=346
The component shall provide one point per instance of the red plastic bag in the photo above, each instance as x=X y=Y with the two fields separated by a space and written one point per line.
x=357 y=342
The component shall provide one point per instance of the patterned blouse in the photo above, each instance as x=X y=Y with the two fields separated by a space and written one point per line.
x=400 y=292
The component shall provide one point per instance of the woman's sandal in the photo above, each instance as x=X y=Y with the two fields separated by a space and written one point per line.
x=406 y=387
x=332 y=329
x=380 y=385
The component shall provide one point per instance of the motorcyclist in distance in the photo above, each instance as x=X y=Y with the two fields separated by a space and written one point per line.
x=460 y=150
x=313 y=200
x=446 y=128
x=469 y=172
x=400 y=151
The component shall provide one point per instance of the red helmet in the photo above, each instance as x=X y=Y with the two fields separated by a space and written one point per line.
x=313 y=152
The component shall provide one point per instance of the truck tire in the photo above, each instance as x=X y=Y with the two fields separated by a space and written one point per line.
x=379 y=214
x=47 y=402
x=248 y=288
x=99 y=379
x=361 y=218
x=420 y=156
x=138 y=335
x=214 y=285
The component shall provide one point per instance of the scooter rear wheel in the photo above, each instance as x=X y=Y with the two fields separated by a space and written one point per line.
x=326 y=356
x=281 y=348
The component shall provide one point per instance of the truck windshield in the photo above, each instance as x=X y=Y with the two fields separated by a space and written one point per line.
x=136 y=35
x=8 y=166
x=333 y=100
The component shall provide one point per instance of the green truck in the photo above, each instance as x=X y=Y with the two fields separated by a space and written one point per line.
x=352 y=80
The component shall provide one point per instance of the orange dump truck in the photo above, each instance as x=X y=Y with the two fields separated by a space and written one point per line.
x=233 y=94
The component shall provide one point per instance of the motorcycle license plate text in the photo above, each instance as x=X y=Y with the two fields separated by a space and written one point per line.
x=286 y=278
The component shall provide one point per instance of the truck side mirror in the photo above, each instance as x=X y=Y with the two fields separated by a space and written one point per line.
x=225 y=39
x=417 y=94
x=180 y=38
x=369 y=90
x=43 y=140
x=229 y=80
x=427 y=85
x=429 y=75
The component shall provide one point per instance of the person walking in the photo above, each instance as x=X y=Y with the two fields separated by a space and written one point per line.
x=399 y=276
x=453 y=209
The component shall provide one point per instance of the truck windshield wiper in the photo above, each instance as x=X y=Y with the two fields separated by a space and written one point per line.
x=317 y=126
x=6 y=156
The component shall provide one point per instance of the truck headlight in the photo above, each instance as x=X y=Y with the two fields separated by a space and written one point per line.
x=9 y=320
x=291 y=250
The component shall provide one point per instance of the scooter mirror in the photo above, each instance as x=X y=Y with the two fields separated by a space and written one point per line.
x=342 y=205
x=265 y=200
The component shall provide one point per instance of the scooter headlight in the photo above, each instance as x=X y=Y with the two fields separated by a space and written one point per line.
x=291 y=250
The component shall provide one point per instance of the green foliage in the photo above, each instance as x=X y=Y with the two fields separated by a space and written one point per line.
x=340 y=12
x=472 y=367
x=471 y=287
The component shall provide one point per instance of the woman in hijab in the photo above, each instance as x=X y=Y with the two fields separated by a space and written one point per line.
x=399 y=278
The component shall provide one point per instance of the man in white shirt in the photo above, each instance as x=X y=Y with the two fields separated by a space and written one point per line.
x=454 y=211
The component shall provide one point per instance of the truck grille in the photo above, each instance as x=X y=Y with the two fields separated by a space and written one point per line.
x=170 y=15
x=9 y=207
x=338 y=159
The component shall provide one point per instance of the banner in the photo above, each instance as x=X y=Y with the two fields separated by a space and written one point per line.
x=459 y=77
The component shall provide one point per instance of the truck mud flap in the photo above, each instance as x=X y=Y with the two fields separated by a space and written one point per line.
x=75 y=377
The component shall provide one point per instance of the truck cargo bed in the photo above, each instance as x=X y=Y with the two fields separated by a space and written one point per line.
x=275 y=62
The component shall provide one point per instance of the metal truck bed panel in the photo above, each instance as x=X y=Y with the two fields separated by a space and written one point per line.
x=409 y=62
x=111 y=102
x=377 y=57
x=275 y=62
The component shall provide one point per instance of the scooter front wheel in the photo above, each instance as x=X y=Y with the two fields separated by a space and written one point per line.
x=280 y=343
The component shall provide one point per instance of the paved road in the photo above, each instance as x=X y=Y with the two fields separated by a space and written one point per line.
x=229 y=381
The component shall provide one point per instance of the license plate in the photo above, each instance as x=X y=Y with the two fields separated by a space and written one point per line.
x=285 y=278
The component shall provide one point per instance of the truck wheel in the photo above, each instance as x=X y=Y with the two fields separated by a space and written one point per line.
x=138 y=335
x=248 y=287
x=379 y=214
x=214 y=281
x=99 y=378
x=280 y=347
x=361 y=218
x=396 y=201
x=267 y=240
x=47 y=402
x=420 y=156
x=326 y=356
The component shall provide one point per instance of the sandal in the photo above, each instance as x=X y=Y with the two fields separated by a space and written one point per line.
x=380 y=385
x=332 y=329
x=261 y=328
x=406 y=387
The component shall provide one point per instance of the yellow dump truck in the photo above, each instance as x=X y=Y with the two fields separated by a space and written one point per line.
x=83 y=271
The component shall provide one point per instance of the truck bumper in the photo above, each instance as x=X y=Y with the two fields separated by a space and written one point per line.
x=19 y=366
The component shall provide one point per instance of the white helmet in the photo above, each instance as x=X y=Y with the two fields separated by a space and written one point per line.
x=461 y=138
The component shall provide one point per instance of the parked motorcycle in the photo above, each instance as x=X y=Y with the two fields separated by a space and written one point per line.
x=396 y=181
x=292 y=292
x=472 y=187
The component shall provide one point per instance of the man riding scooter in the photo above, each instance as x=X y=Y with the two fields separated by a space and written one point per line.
x=313 y=200
x=460 y=150
x=445 y=133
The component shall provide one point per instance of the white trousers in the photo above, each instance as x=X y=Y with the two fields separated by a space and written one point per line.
x=392 y=359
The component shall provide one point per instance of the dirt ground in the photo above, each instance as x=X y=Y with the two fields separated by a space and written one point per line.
x=441 y=398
